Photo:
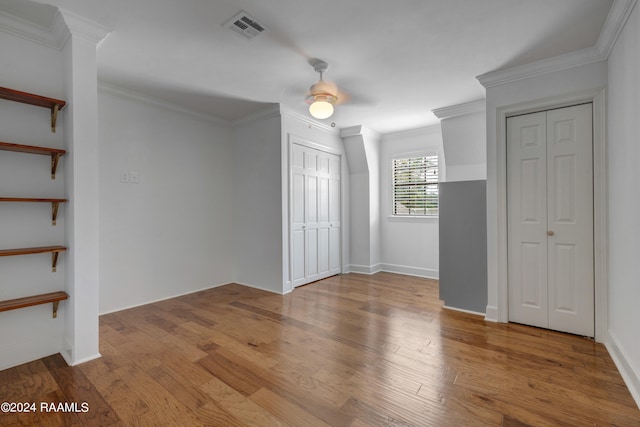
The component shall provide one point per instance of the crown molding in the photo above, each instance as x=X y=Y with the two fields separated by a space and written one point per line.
x=350 y=131
x=60 y=30
x=371 y=133
x=78 y=26
x=478 y=106
x=538 y=68
x=63 y=25
x=617 y=17
x=264 y=114
x=364 y=131
x=359 y=131
x=287 y=111
x=27 y=30
x=414 y=133
x=280 y=110
x=113 y=90
x=615 y=22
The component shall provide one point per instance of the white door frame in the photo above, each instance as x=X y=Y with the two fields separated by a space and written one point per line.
x=294 y=139
x=600 y=234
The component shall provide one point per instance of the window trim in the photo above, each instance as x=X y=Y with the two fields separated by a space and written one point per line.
x=411 y=218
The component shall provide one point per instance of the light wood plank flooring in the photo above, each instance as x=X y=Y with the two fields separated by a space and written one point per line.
x=350 y=350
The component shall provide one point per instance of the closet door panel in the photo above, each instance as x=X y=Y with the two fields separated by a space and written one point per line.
x=527 y=219
x=570 y=181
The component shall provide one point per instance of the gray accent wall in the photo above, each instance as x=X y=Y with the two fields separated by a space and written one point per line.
x=463 y=245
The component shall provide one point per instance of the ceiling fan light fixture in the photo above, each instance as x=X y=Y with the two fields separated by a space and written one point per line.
x=322 y=106
x=321 y=109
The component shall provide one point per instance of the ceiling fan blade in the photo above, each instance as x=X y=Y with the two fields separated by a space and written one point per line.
x=343 y=97
x=324 y=87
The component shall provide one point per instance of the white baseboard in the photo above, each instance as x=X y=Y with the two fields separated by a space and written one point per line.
x=258 y=287
x=427 y=273
x=86 y=359
x=115 y=310
x=630 y=374
x=288 y=287
x=66 y=351
x=183 y=294
x=364 y=269
x=462 y=310
x=67 y=354
x=18 y=354
x=492 y=314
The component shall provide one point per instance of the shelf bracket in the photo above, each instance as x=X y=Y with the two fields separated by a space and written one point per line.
x=54 y=117
x=54 y=261
x=55 y=308
x=54 y=164
x=54 y=212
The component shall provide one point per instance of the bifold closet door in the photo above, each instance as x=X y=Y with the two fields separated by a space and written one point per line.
x=550 y=219
x=315 y=225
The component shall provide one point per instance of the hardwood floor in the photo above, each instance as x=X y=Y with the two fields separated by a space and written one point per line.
x=350 y=350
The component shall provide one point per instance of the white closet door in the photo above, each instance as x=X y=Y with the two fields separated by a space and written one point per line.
x=527 y=220
x=550 y=214
x=334 y=215
x=315 y=223
x=298 y=216
x=570 y=219
x=323 y=214
x=311 y=222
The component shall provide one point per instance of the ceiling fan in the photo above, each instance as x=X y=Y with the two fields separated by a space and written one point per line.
x=323 y=95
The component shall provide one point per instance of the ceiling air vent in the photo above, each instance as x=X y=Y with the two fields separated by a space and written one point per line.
x=245 y=25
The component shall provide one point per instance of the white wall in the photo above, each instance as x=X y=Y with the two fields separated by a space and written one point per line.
x=170 y=234
x=372 y=148
x=30 y=333
x=257 y=204
x=465 y=147
x=362 y=147
x=360 y=235
x=408 y=245
x=358 y=201
x=624 y=202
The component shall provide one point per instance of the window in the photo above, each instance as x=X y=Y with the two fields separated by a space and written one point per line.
x=415 y=186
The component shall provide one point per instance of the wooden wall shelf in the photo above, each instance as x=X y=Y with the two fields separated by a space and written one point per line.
x=55 y=251
x=54 y=297
x=55 y=203
x=55 y=153
x=52 y=104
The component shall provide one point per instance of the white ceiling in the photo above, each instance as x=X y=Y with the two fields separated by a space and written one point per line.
x=398 y=59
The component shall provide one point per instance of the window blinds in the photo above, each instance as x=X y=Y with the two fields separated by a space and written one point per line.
x=415 y=186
